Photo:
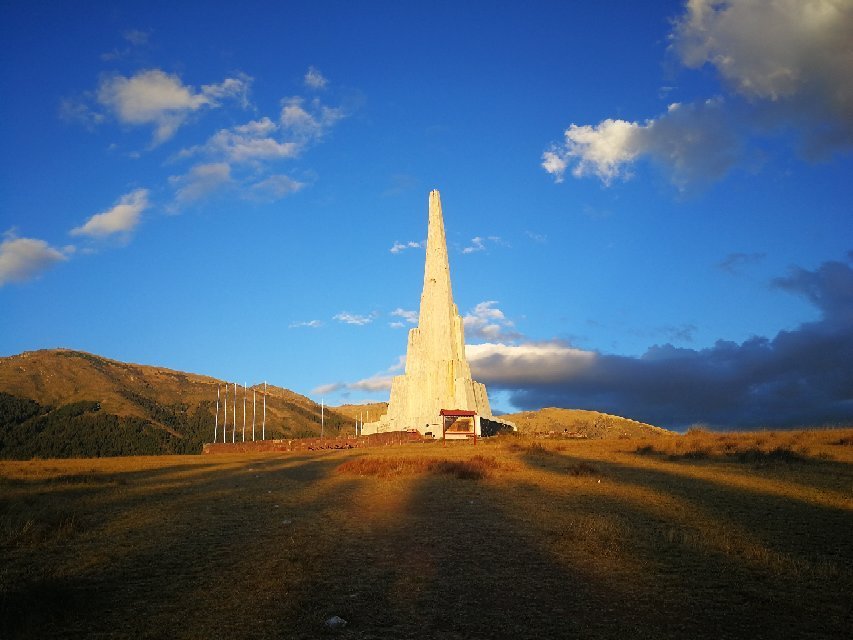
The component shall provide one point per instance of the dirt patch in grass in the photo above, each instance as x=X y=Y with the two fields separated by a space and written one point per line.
x=474 y=468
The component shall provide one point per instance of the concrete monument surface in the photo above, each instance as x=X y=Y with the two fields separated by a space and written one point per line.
x=437 y=374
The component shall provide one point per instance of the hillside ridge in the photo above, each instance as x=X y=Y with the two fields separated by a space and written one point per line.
x=127 y=399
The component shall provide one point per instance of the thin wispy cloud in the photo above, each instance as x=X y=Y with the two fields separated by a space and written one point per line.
x=353 y=318
x=398 y=247
x=736 y=263
x=122 y=218
x=479 y=243
x=250 y=142
x=380 y=381
x=200 y=182
x=314 y=79
x=135 y=39
x=309 y=324
x=408 y=315
x=308 y=120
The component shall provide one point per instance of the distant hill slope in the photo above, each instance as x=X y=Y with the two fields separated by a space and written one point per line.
x=589 y=424
x=61 y=403
x=369 y=411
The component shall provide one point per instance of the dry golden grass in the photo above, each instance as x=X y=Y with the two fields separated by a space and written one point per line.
x=476 y=467
x=513 y=538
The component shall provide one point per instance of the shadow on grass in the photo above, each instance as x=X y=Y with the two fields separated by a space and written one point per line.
x=272 y=546
x=171 y=544
x=723 y=558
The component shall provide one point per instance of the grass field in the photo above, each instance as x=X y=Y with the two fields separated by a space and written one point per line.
x=696 y=536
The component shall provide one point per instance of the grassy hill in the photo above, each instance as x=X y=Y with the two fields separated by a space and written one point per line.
x=62 y=403
x=588 y=424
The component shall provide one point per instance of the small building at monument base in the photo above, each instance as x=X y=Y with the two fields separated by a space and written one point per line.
x=459 y=424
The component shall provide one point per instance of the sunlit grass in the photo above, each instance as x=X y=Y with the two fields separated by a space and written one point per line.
x=702 y=535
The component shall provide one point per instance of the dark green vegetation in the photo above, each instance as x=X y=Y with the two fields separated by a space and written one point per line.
x=82 y=429
x=60 y=403
x=513 y=538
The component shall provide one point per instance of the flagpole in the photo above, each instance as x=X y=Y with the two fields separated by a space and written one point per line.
x=216 y=423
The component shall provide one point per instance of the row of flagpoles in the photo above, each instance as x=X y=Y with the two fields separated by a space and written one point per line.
x=234 y=414
x=358 y=425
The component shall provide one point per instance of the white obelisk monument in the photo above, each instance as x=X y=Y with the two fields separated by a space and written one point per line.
x=437 y=373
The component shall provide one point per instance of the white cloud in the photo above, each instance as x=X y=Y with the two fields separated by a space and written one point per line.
x=351 y=318
x=248 y=142
x=311 y=324
x=488 y=322
x=122 y=218
x=409 y=316
x=23 y=259
x=314 y=79
x=397 y=247
x=200 y=181
x=792 y=57
x=476 y=245
x=276 y=187
x=379 y=382
x=600 y=149
x=311 y=123
x=161 y=99
x=787 y=66
x=532 y=363
x=325 y=389
x=692 y=142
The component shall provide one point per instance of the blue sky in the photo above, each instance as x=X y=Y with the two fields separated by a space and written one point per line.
x=647 y=204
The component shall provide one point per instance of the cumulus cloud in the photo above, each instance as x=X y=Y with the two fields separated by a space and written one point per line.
x=785 y=64
x=797 y=378
x=201 y=181
x=792 y=56
x=23 y=259
x=397 y=247
x=121 y=218
x=486 y=321
x=694 y=143
x=509 y=366
x=314 y=79
x=154 y=97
